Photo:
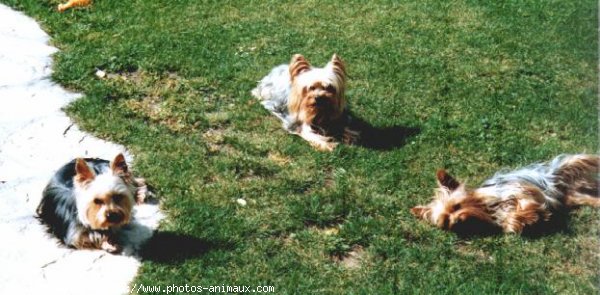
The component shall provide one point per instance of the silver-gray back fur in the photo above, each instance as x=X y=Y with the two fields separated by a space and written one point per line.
x=542 y=175
x=273 y=91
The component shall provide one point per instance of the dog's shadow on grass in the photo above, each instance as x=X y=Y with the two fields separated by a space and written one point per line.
x=170 y=247
x=381 y=138
x=558 y=224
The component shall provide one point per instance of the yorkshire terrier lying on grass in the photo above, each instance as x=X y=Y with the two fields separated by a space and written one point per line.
x=310 y=101
x=514 y=201
x=88 y=200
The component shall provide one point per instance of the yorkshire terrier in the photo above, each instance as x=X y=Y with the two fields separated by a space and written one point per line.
x=88 y=200
x=310 y=101
x=514 y=201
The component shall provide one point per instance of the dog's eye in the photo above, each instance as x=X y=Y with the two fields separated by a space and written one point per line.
x=330 y=89
x=311 y=88
x=456 y=207
x=117 y=198
x=98 y=201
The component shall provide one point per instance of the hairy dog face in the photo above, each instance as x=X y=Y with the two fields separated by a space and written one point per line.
x=106 y=200
x=454 y=208
x=317 y=94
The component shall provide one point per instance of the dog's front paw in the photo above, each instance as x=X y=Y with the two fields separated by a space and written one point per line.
x=111 y=247
x=142 y=191
x=327 y=146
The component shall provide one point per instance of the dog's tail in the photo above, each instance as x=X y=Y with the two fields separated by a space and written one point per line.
x=577 y=177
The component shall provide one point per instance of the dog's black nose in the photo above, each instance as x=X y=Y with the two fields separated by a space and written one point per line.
x=114 y=217
x=321 y=101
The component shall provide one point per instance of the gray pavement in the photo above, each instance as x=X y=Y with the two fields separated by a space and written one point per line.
x=36 y=138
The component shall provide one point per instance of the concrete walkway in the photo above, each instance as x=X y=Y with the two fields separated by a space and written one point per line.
x=36 y=138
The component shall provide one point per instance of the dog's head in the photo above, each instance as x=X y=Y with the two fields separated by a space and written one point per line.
x=104 y=200
x=455 y=208
x=317 y=95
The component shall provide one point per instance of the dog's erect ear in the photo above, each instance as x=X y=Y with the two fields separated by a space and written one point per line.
x=420 y=211
x=445 y=180
x=338 y=67
x=83 y=173
x=119 y=166
x=298 y=65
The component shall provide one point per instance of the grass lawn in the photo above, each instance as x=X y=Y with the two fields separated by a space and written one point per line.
x=485 y=84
